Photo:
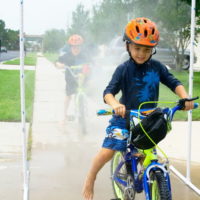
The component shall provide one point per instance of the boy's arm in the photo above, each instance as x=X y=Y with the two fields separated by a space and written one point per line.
x=181 y=92
x=119 y=108
x=59 y=65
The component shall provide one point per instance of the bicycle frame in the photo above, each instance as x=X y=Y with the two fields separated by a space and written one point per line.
x=150 y=162
x=79 y=97
x=80 y=88
x=141 y=178
x=80 y=82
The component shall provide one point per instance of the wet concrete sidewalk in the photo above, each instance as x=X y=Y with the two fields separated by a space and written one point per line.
x=11 y=164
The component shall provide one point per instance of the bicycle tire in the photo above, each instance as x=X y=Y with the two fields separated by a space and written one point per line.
x=81 y=116
x=158 y=186
x=119 y=190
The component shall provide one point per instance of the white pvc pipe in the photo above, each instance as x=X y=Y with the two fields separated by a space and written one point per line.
x=185 y=180
x=192 y=33
x=23 y=113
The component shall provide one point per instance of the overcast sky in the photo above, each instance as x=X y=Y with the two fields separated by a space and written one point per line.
x=40 y=15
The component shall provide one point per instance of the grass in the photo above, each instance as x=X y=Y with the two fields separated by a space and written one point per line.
x=30 y=59
x=168 y=95
x=10 y=95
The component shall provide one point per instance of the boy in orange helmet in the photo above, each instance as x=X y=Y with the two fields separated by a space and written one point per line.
x=138 y=80
x=74 y=57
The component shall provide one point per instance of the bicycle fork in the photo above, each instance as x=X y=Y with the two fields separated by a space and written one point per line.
x=154 y=166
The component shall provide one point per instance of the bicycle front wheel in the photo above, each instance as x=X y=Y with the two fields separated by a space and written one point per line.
x=123 y=192
x=159 y=189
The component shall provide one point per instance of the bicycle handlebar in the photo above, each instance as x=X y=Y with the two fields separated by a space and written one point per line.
x=196 y=105
x=180 y=105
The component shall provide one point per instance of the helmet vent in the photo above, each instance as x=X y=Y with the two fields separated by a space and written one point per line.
x=153 y=31
x=137 y=29
x=145 y=21
x=145 y=33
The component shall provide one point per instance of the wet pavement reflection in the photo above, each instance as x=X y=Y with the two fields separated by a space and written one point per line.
x=58 y=169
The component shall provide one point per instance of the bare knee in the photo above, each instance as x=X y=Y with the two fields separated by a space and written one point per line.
x=106 y=154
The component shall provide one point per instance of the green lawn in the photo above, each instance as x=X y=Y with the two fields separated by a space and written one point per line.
x=10 y=109
x=168 y=95
x=30 y=59
x=10 y=94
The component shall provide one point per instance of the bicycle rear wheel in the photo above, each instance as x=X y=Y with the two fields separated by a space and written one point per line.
x=159 y=189
x=120 y=191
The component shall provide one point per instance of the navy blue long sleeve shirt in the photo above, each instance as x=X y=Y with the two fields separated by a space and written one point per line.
x=140 y=83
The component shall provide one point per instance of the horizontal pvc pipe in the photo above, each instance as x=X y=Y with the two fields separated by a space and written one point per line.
x=185 y=180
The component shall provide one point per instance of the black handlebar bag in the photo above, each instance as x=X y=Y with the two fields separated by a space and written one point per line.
x=155 y=125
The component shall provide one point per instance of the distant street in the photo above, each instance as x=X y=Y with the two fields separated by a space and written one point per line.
x=9 y=55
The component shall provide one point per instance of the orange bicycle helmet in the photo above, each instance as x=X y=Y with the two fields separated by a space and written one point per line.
x=142 y=31
x=75 y=40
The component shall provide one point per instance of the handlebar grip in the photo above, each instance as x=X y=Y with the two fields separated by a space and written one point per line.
x=105 y=112
x=196 y=105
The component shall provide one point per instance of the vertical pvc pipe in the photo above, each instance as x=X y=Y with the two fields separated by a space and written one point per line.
x=192 y=33
x=187 y=180
x=23 y=113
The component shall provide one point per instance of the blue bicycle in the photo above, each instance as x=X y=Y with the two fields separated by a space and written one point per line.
x=138 y=168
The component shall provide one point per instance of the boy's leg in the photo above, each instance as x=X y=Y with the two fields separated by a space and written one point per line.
x=66 y=105
x=102 y=157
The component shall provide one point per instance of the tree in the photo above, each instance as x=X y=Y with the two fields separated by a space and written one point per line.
x=2 y=32
x=189 y=2
x=12 y=39
x=108 y=20
x=197 y=8
x=53 y=40
x=174 y=27
x=110 y=17
x=8 y=37
x=80 y=22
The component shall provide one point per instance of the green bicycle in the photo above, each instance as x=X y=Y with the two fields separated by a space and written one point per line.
x=80 y=97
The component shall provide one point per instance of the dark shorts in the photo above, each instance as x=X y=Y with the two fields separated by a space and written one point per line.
x=71 y=83
x=116 y=134
x=70 y=88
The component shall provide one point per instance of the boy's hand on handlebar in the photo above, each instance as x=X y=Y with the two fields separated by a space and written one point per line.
x=59 y=65
x=119 y=109
x=189 y=105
